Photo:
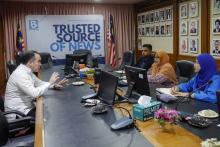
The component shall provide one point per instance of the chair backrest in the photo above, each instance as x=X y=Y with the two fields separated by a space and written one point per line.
x=128 y=59
x=89 y=56
x=184 y=70
x=4 y=132
x=11 y=65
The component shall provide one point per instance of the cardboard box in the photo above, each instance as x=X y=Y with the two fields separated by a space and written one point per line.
x=142 y=113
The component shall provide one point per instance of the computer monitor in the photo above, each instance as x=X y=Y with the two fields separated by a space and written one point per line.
x=107 y=87
x=137 y=81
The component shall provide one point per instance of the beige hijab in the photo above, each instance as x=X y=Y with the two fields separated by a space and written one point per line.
x=164 y=67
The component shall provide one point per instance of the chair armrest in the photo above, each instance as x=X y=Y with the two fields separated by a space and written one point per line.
x=14 y=112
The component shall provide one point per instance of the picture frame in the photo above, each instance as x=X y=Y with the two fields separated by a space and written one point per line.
x=183 y=45
x=162 y=30
x=139 y=31
x=216 y=6
x=183 y=11
x=162 y=15
x=168 y=29
x=193 y=45
x=143 y=19
x=168 y=14
x=139 y=19
x=215 y=48
x=193 y=9
x=157 y=30
x=139 y=44
x=216 y=26
x=152 y=31
x=193 y=27
x=142 y=31
x=147 y=18
x=157 y=16
x=183 y=28
x=147 y=31
x=151 y=17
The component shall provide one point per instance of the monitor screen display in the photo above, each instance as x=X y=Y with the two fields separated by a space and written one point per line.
x=138 y=76
x=107 y=87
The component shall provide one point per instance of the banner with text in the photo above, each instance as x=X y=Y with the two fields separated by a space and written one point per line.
x=62 y=34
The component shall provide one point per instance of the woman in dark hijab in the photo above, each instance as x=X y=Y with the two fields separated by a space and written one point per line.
x=205 y=83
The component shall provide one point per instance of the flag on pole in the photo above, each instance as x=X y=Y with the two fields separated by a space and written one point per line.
x=111 y=50
x=19 y=41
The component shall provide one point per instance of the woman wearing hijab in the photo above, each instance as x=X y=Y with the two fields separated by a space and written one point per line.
x=161 y=70
x=205 y=83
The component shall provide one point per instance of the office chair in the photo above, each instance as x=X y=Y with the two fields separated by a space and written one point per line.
x=11 y=65
x=89 y=61
x=21 y=122
x=128 y=59
x=46 y=60
x=184 y=70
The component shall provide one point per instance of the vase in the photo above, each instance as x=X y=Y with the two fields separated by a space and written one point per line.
x=167 y=127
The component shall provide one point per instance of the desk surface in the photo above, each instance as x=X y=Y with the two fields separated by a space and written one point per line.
x=67 y=123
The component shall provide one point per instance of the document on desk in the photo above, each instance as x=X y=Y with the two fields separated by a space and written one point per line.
x=165 y=91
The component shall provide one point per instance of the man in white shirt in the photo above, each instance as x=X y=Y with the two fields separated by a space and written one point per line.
x=23 y=87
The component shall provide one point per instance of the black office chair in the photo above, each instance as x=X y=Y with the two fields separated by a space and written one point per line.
x=46 y=60
x=91 y=61
x=128 y=59
x=184 y=70
x=11 y=65
x=21 y=122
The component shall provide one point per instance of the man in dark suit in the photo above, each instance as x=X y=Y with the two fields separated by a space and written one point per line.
x=147 y=59
x=217 y=26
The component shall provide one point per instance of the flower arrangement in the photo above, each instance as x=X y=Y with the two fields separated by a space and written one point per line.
x=164 y=115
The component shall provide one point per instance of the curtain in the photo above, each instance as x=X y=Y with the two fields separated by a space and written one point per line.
x=124 y=18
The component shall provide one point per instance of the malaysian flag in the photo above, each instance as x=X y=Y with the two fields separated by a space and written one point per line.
x=19 y=41
x=111 y=50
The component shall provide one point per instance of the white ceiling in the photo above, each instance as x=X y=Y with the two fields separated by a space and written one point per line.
x=86 y=1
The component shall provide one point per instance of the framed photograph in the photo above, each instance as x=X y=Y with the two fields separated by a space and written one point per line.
x=152 y=29
x=151 y=17
x=215 y=47
x=162 y=15
x=168 y=29
x=156 y=16
x=139 y=44
x=143 y=18
x=193 y=45
x=183 y=45
x=157 y=30
x=183 y=11
x=168 y=13
x=147 y=31
x=216 y=6
x=139 y=32
x=147 y=17
x=216 y=26
x=193 y=27
x=183 y=28
x=162 y=30
x=142 y=31
x=193 y=9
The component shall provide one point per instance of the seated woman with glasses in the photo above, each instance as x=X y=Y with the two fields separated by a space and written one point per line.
x=161 y=70
x=204 y=84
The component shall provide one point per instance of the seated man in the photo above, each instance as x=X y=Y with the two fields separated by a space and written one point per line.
x=147 y=59
x=23 y=87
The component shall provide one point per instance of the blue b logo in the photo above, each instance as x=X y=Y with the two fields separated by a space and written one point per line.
x=33 y=25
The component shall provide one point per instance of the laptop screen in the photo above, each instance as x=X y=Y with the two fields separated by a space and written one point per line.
x=107 y=87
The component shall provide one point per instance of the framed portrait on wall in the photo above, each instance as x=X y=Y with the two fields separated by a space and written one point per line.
x=193 y=9
x=215 y=50
x=183 y=28
x=139 y=19
x=156 y=16
x=143 y=18
x=193 y=27
x=139 y=31
x=193 y=45
x=216 y=6
x=162 y=15
x=183 y=11
x=152 y=29
x=162 y=30
x=183 y=45
x=147 y=31
x=168 y=13
x=147 y=19
x=142 y=31
x=139 y=44
x=168 y=29
x=216 y=26
x=157 y=30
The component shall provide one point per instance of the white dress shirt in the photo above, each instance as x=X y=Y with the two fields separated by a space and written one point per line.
x=22 y=88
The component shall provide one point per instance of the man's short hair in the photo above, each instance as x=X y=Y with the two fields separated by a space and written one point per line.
x=27 y=56
x=149 y=46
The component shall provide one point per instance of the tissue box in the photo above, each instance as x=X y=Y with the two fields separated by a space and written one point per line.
x=145 y=113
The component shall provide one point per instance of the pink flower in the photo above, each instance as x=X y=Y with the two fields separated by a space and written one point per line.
x=168 y=115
